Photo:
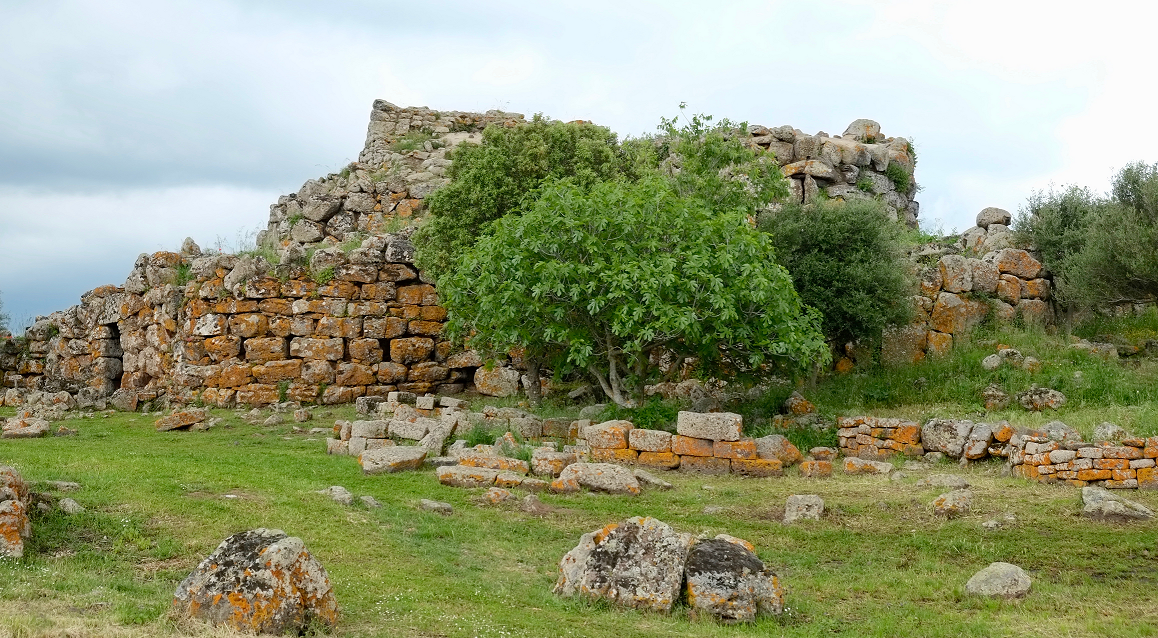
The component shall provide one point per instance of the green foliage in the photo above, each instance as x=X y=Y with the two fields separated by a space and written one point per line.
x=711 y=163
x=414 y=141
x=184 y=274
x=283 y=391
x=865 y=184
x=323 y=276
x=492 y=179
x=1100 y=249
x=655 y=414
x=845 y=260
x=610 y=273
x=900 y=176
x=294 y=219
x=479 y=434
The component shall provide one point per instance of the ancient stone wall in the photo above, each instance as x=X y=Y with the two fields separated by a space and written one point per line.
x=223 y=329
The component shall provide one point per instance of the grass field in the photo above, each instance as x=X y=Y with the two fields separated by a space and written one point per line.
x=878 y=564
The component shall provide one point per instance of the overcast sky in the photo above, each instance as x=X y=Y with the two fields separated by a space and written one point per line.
x=127 y=126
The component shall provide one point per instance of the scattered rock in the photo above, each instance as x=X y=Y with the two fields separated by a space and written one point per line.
x=999 y=580
x=496 y=495
x=991 y=524
x=727 y=581
x=179 y=420
x=15 y=526
x=1110 y=432
x=436 y=506
x=934 y=457
x=338 y=494
x=995 y=398
x=796 y=404
x=69 y=506
x=650 y=480
x=638 y=563
x=63 y=486
x=532 y=505
x=1101 y=504
x=992 y=362
x=853 y=465
x=302 y=415
x=371 y=502
x=260 y=581
x=803 y=507
x=598 y=477
x=952 y=504
x=466 y=476
x=1038 y=399
x=776 y=446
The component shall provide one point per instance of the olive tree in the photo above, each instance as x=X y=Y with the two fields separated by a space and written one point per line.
x=606 y=275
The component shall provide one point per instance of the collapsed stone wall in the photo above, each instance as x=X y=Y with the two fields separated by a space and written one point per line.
x=223 y=329
x=332 y=308
x=981 y=276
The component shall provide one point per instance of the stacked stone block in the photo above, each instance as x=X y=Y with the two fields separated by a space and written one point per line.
x=710 y=443
x=960 y=292
x=875 y=438
x=1127 y=464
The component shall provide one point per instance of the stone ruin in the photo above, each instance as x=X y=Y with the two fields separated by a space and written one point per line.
x=331 y=307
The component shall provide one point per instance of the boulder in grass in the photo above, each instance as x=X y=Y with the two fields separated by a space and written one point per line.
x=1101 y=504
x=1000 y=580
x=181 y=420
x=726 y=580
x=260 y=581
x=638 y=563
x=386 y=460
x=597 y=477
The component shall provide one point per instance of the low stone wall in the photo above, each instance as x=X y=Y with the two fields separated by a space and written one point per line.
x=703 y=443
x=1127 y=464
x=874 y=438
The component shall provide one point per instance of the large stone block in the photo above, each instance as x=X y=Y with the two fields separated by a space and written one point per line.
x=953 y=314
x=1016 y=262
x=411 y=350
x=262 y=349
x=309 y=348
x=956 y=273
x=717 y=426
x=904 y=345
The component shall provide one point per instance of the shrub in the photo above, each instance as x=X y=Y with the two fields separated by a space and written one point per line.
x=605 y=275
x=900 y=176
x=845 y=260
x=492 y=179
x=1100 y=249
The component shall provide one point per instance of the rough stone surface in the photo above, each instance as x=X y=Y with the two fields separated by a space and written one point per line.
x=260 y=581
x=992 y=215
x=179 y=420
x=803 y=507
x=947 y=436
x=392 y=459
x=776 y=446
x=1038 y=399
x=726 y=580
x=853 y=465
x=999 y=580
x=500 y=381
x=955 y=503
x=638 y=563
x=466 y=476
x=1103 y=505
x=598 y=477
x=715 y=426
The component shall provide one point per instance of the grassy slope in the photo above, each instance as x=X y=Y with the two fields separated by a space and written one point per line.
x=879 y=564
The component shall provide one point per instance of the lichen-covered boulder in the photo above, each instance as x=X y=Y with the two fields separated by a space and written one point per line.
x=598 y=477
x=14 y=523
x=1101 y=504
x=726 y=579
x=1000 y=580
x=261 y=581
x=638 y=563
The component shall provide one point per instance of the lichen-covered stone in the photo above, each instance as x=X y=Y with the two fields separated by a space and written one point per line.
x=716 y=426
x=638 y=563
x=726 y=580
x=260 y=581
x=598 y=477
x=392 y=459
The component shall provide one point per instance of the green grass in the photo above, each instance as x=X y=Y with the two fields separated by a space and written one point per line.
x=1124 y=392
x=879 y=564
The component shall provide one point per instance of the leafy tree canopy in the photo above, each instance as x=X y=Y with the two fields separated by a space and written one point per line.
x=492 y=179
x=605 y=275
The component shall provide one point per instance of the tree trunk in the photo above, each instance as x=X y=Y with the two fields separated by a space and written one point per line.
x=534 y=385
